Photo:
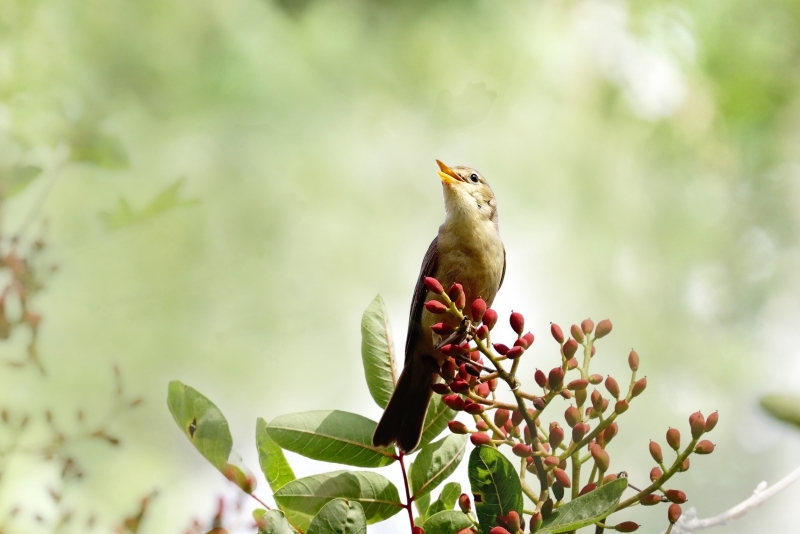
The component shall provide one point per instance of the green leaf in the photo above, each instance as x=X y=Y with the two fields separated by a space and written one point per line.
x=377 y=352
x=423 y=503
x=124 y=215
x=308 y=495
x=272 y=522
x=238 y=473
x=495 y=485
x=273 y=462
x=783 y=407
x=436 y=420
x=339 y=516
x=202 y=422
x=447 y=522
x=100 y=149
x=435 y=462
x=330 y=436
x=21 y=177
x=586 y=509
x=447 y=498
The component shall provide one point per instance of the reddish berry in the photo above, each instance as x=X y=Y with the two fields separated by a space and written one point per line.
x=457 y=427
x=572 y=415
x=578 y=384
x=576 y=332
x=610 y=431
x=587 y=325
x=517 y=322
x=540 y=378
x=490 y=318
x=711 y=422
x=570 y=348
x=433 y=285
x=627 y=526
x=633 y=361
x=612 y=386
x=464 y=503
x=556 y=332
x=514 y=353
x=501 y=415
x=676 y=496
x=600 y=457
x=655 y=474
x=578 y=431
x=482 y=332
x=555 y=377
x=603 y=329
x=440 y=389
x=481 y=425
x=448 y=370
x=528 y=337
x=639 y=386
x=650 y=500
x=498 y=530
x=674 y=513
x=655 y=452
x=698 y=425
x=442 y=329
x=478 y=308
x=434 y=306
x=536 y=522
x=704 y=447
x=562 y=477
x=674 y=438
x=595 y=379
x=587 y=488
x=521 y=450
x=556 y=435
x=621 y=407
x=479 y=438
x=453 y=402
x=474 y=408
x=501 y=349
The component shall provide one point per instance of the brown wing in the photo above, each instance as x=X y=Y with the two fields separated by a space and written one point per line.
x=503 y=276
x=429 y=266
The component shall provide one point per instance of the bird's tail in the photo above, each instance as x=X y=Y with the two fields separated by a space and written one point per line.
x=404 y=416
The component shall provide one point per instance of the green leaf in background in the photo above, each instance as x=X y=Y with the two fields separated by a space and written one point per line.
x=273 y=462
x=435 y=462
x=339 y=516
x=586 y=509
x=495 y=486
x=423 y=503
x=100 y=149
x=21 y=177
x=783 y=407
x=377 y=352
x=202 y=422
x=436 y=420
x=272 y=522
x=330 y=436
x=308 y=495
x=124 y=215
x=447 y=522
x=447 y=499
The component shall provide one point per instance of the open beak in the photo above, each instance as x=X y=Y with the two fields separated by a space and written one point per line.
x=447 y=174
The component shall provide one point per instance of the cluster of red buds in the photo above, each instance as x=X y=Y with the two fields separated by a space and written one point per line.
x=554 y=454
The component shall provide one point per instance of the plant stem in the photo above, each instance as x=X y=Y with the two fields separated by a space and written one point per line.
x=407 y=506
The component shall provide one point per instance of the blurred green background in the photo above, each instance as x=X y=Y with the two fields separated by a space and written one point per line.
x=228 y=184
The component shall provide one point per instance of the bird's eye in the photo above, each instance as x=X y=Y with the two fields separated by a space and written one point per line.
x=474 y=177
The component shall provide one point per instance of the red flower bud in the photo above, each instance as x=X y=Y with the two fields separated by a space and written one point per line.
x=493 y=384
x=580 y=395
x=482 y=332
x=453 y=402
x=455 y=291
x=516 y=417
x=490 y=318
x=587 y=488
x=440 y=389
x=457 y=427
x=600 y=439
x=572 y=363
x=562 y=477
x=501 y=415
x=676 y=496
x=521 y=450
x=673 y=513
x=536 y=522
x=459 y=386
x=698 y=424
x=711 y=422
x=627 y=526
x=556 y=377
x=650 y=500
x=417 y=530
x=521 y=342
x=551 y=461
x=501 y=349
x=474 y=408
x=621 y=407
x=434 y=306
x=482 y=390
x=539 y=403
x=605 y=405
x=576 y=332
x=587 y=325
x=528 y=337
x=655 y=452
x=633 y=361
x=556 y=332
x=603 y=329
x=704 y=447
x=567 y=394
x=556 y=435
x=478 y=308
x=639 y=386
x=464 y=503
x=481 y=425
x=517 y=322
x=612 y=386
x=540 y=378
x=498 y=530
x=514 y=353
x=510 y=521
x=448 y=370
x=570 y=348
x=433 y=285
x=572 y=415
x=655 y=474
x=479 y=438
x=442 y=329
x=579 y=430
x=595 y=379
x=578 y=384
x=674 y=438
x=610 y=431
x=600 y=457
x=597 y=400
x=684 y=466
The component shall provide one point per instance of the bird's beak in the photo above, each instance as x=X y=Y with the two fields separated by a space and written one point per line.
x=447 y=174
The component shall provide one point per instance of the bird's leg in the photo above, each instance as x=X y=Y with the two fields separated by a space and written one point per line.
x=463 y=332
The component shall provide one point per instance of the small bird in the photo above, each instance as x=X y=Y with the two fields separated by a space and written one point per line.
x=467 y=250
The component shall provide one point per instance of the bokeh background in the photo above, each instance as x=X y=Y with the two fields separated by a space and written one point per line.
x=227 y=185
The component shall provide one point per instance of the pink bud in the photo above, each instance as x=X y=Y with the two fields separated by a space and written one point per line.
x=570 y=348
x=704 y=447
x=433 y=285
x=457 y=427
x=482 y=332
x=674 y=513
x=556 y=377
x=603 y=329
x=536 y=522
x=572 y=363
x=556 y=435
x=551 y=461
x=627 y=526
x=514 y=353
x=595 y=379
x=434 y=306
x=698 y=425
x=639 y=386
x=601 y=458
x=459 y=386
x=517 y=322
x=587 y=325
x=448 y=370
x=464 y=503
x=655 y=474
x=498 y=530
x=650 y=500
x=587 y=488
x=572 y=416
x=711 y=422
x=442 y=329
x=453 y=402
x=676 y=496
x=576 y=332
x=621 y=407
x=612 y=386
x=521 y=450
x=556 y=332
x=674 y=438
x=440 y=389
x=479 y=438
x=490 y=318
x=578 y=431
x=578 y=384
x=478 y=308
x=610 y=431
x=655 y=452
x=474 y=408
x=501 y=349
x=417 y=530
x=501 y=415
x=482 y=390
x=481 y=425
x=516 y=417
x=633 y=361
x=562 y=477
x=540 y=378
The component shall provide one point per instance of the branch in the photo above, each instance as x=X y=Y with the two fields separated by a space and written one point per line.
x=689 y=522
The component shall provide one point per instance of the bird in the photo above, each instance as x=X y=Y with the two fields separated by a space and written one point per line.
x=467 y=250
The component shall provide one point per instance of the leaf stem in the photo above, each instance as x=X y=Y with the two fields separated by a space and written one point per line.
x=407 y=505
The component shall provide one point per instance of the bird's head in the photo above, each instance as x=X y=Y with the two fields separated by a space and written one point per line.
x=467 y=194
